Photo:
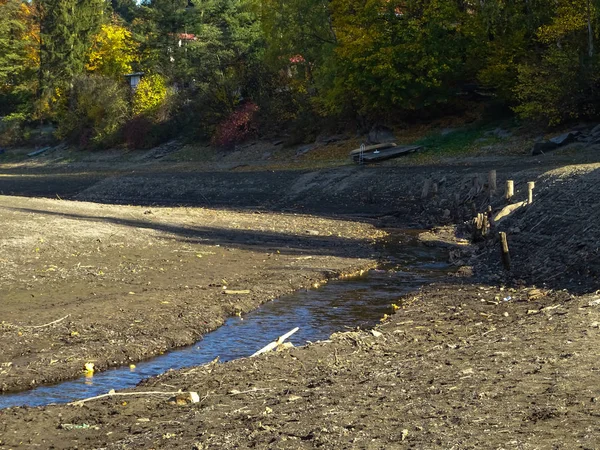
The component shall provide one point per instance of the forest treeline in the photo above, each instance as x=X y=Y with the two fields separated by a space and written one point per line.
x=225 y=69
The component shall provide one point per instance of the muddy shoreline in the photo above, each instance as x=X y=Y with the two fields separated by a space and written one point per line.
x=488 y=360
x=128 y=283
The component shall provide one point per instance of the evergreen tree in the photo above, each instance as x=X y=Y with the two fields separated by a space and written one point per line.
x=66 y=31
x=17 y=56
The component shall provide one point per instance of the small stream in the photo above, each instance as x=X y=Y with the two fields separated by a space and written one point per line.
x=336 y=306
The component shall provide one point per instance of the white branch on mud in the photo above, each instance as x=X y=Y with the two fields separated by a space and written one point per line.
x=277 y=343
x=193 y=396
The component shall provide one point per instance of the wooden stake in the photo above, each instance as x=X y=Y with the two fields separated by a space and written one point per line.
x=505 y=253
x=492 y=181
x=530 y=187
x=510 y=190
x=485 y=225
x=425 y=191
x=476 y=184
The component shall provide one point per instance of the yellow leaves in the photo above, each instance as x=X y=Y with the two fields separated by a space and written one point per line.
x=150 y=95
x=570 y=17
x=113 y=51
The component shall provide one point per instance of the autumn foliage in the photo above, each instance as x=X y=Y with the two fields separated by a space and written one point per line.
x=236 y=128
x=298 y=61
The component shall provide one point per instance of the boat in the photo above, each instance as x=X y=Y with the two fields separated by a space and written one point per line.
x=381 y=152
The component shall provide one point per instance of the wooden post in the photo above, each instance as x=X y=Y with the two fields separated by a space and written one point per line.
x=510 y=190
x=492 y=181
x=505 y=253
x=476 y=184
x=490 y=216
x=530 y=187
x=425 y=191
x=485 y=225
x=434 y=189
x=458 y=212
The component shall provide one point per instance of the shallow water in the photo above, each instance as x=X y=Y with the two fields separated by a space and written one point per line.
x=336 y=306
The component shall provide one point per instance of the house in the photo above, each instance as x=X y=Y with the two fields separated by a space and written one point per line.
x=133 y=79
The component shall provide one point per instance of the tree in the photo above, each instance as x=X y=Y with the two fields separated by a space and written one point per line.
x=66 y=31
x=18 y=56
x=391 y=56
x=113 y=51
x=561 y=80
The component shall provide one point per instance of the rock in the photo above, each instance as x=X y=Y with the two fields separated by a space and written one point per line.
x=447 y=131
x=565 y=138
x=284 y=346
x=539 y=148
x=380 y=135
x=499 y=133
x=304 y=150
x=187 y=397
x=595 y=131
x=376 y=333
x=325 y=139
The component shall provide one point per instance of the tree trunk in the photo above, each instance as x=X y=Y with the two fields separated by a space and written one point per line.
x=590 y=31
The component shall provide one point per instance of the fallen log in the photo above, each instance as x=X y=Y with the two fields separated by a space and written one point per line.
x=507 y=211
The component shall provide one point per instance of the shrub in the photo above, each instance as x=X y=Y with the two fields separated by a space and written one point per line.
x=139 y=132
x=96 y=110
x=12 y=129
x=150 y=98
x=237 y=127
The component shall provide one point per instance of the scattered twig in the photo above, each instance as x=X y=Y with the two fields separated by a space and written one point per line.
x=124 y=394
x=35 y=326
x=250 y=391
x=49 y=323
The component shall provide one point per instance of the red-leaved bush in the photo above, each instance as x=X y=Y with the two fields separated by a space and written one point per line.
x=237 y=127
x=138 y=133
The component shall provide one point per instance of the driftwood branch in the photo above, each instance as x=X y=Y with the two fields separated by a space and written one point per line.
x=274 y=345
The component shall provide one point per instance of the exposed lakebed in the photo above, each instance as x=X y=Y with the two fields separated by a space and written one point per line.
x=339 y=305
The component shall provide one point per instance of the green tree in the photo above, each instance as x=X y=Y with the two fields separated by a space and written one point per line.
x=18 y=58
x=389 y=56
x=66 y=31
x=96 y=111
x=561 y=80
